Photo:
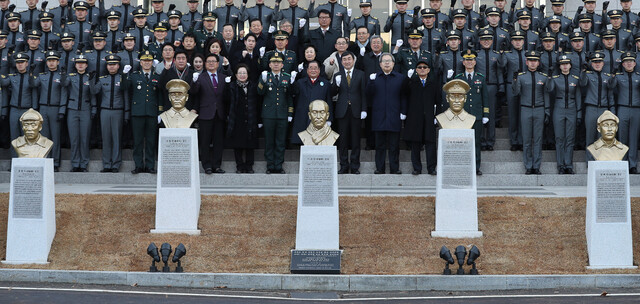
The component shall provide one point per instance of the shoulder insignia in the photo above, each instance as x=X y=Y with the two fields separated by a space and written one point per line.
x=589 y=72
x=522 y=73
x=619 y=74
x=72 y=74
x=443 y=52
x=555 y=76
x=479 y=74
x=12 y=74
x=574 y=76
x=105 y=76
x=543 y=74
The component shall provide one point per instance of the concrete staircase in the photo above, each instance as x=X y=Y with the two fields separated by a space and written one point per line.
x=501 y=167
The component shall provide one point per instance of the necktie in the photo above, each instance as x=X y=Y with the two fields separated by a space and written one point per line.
x=277 y=79
x=469 y=78
x=146 y=75
x=348 y=78
x=215 y=82
x=422 y=83
x=333 y=15
x=228 y=45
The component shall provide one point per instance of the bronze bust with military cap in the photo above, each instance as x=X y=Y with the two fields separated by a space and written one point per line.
x=178 y=116
x=318 y=133
x=32 y=144
x=455 y=117
x=607 y=147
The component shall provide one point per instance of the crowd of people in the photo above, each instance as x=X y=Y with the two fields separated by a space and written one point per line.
x=97 y=75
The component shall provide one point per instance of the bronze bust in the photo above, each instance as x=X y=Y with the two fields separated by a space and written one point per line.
x=456 y=117
x=32 y=144
x=607 y=147
x=318 y=133
x=178 y=116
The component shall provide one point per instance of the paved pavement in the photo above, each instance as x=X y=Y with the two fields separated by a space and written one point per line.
x=539 y=191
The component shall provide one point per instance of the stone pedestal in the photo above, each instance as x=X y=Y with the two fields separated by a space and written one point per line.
x=608 y=220
x=32 y=211
x=317 y=227
x=456 y=188
x=178 y=183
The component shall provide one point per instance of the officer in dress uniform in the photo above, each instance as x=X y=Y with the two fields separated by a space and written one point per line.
x=208 y=31
x=534 y=111
x=67 y=52
x=500 y=34
x=128 y=55
x=61 y=15
x=158 y=14
x=80 y=27
x=277 y=109
x=598 y=96
x=145 y=107
x=613 y=56
x=126 y=14
x=591 y=38
x=531 y=37
x=174 y=34
x=81 y=107
x=114 y=35
x=372 y=23
x=407 y=58
x=140 y=31
x=548 y=65
x=36 y=55
x=49 y=38
x=488 y=65
x=229 y=14
x=468 y=35
x=290 y=59
x=477 y=103
x=29 y=16
x=562 y=38
x=557 y=6
x=399 y=23
x=191 y=20
x=564 y=89
x=433 y=38
x=624 y=37
x=512 y=63
x=51 y=89
x=115 y=108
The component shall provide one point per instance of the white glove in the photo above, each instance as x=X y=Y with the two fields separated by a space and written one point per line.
x=399 y=43
x=159 y=119
x=289 y=119
x=300 y=67
x=293 y=76
x=329 y=123
x=302 y=22
x=435 y=121
x=195 y=76
x=402 y=116
x=259 y=126
x=485 y=120
x=272 y=29
x=372 y=76
x=362 y=50
x=146 y=39
x=262 y=49
x=227 y=79
x=126 y=69
x=449 y=73
x=349 y=11
x=188 y=64
x=264 y=76
x=410 y=73
x=155 y=62
x=338 y=80
x=363 y=115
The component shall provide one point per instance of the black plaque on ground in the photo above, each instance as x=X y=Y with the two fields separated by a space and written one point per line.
x=315 y=261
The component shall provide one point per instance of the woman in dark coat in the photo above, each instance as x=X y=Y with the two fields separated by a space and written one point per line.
x=310 y=53
x=306 y=90
x=423 y=104
x=242 y=126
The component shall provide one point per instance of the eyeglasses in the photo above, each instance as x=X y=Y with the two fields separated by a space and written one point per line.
x=387 y=61
x=212 y=61
x=422 y=67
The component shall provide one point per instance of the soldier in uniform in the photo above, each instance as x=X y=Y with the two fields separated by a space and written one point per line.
x=36 y=55
x=549 y=66
x=140 y=31
x=629 y=19
x=500 y=35
x=562 y=38
x=96 y=15
x=145 y=107
x=531 y=37
x=15 y=37
x=473 y=18
x=159 y=35
x=264 y=13
x=81 y=27
x=624 y=37
x=626 y=93
x=229 y=14
x=372 y=23
x=128 y=55
x=126 y=14
x=407 y=59
x=612 y=59
x=591 y=40
x=468 y=36
x=277 y=109
x=442 y=20
x=191 y=20
x=512 y=63
x=534 y=111
x=564 y=89
x=29 y=16
x=158 y=14
x=208 y=31
x=435 y=40
x=50 y=40
x=51 y=91
x=81 y=107
x=598 y=96
x=114 y=108
x=449 y=62
x=114 y=35
x=290 y=60
x=557 y=6
x=61 y=15
x=590 y=6
x=174 y=34
x=340 y=16
x=96 y=57
x=22 y=97
x=487 y=63
x=4 y=53
x=578 y=56
x=295 y=15
x=535 y=14
x=399 y=23
x=67 y=52
x=477 y=103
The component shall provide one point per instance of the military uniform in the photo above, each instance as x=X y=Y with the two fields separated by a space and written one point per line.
x=534 y=14
x=145 y=107
x=30 y=18
x=407 y=59
x=66 y=57
x=612 y=61
x=500 y=37
x=229 y=14
x=598 y=97
x=48 y=38
x=534 y=112
x=140 y=32
x=156 y=47
x=16 y=40
x=567 y=107
x=126 y=15
x=277 y=107
x=37 y=55
x=434 y=39
x=191 y=21
x=129 y=58
x=61 y=16
x=627 y=100
x=565 y=23
x=449 y=60
x=488 y=65
x=114 y=107
x=290 y=57
x=372 y=23
x=513 y=62
x=203 y=35
x=51 y=88
x=80 y=29
x=399 y=24
x=157 y=18
x=81 y=108
x=340 y=19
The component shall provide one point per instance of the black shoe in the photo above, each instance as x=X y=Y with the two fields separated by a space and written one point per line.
x=137 y=170
x=569 y=171
x=208 y=171
x=519 y=147
x=633 y=171
x=483 y=148
x=514 y=148
x=250 y=171
x=396 y=172
x=218 y=170
x=378 y=172
x=529 y=172
x=282 y=171
x=115 y=170
x=355 y=171
x=56 y=169
x=416 y=172
x=151 y=170
x=343 y=171
x=269 y=171
x=489 y=148
x=83 y=170
x=432 y=172
x=537 y=172
x=75 y=169
x=105 y=170
x=478 y=172
x=562 y=170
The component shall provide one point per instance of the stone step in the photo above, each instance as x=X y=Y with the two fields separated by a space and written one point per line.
x=346 y=180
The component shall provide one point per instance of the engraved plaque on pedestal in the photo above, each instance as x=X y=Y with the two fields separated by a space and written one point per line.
x=611 y=205
x=457 y=164
x=27 y=192
x=317 y=180
x=176 y=162
x=316 y=261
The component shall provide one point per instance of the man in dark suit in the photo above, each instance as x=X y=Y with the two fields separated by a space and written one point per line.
x=370 y=64
x=349 y=111
x=208 y=90
x=178 y=70
x=324 y=37
x=250 y=56
x=230 y=46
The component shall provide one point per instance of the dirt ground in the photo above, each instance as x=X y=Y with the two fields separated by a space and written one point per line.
x=379 y=235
